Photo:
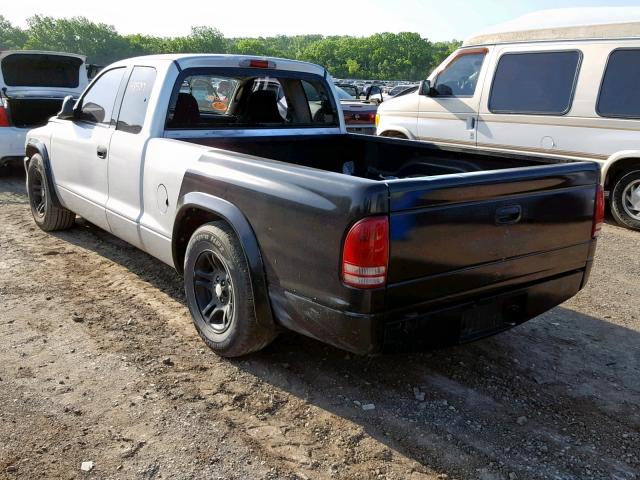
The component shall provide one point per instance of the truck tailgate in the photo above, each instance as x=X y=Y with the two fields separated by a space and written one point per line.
x=459 y=234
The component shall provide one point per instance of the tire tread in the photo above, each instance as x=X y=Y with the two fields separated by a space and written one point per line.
x=253 y=336
x=55 y=218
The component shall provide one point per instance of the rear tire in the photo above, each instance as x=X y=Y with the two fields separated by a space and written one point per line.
x=46 y=215
x=625 y=200
x=219 y=293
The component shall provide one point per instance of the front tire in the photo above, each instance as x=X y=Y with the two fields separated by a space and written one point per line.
x=625 y=200
x=219 y=293
x=46 y=215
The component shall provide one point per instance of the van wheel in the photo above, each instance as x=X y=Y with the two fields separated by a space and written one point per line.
x=46 y=215
x=625 y=200
x=219 y=294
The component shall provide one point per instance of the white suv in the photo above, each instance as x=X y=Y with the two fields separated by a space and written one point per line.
x=32 y=87
x=554 y=83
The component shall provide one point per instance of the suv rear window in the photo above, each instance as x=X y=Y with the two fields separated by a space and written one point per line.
x=619 y=93
x=539 y=83
x=41 y=70
x=247 y=100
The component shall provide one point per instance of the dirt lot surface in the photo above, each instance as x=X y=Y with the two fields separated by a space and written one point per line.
x=99 y=363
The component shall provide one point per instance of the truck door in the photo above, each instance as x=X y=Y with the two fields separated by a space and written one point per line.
x=80 y=150
x=448 y=112
x=126 y=157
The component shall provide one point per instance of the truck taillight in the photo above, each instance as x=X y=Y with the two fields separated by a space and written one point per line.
x=598 y=214
x=366 y=253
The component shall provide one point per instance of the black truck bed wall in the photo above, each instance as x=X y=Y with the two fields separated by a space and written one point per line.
x=447 y=241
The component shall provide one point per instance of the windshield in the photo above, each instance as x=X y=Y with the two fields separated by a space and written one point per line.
x=41 y=70
x=342 y=95
x=398 y=89
x=350 y=90
x=251 y=100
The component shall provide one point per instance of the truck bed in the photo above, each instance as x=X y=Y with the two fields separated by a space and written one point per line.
x=465 y=227
x=375 y=158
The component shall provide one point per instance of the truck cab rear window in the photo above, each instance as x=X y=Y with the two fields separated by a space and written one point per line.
x=211 y=101
x=619 y=93
x=40 y=70
x=539 y=83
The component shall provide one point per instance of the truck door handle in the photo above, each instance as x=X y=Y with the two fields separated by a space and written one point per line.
x=101 y=151
x=508 y=215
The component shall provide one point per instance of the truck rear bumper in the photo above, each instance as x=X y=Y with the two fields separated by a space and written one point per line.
x=418 y=327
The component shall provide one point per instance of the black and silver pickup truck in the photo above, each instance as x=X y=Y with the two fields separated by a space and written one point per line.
x=279 y=219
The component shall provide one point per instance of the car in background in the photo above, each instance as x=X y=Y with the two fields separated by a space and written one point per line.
x=350 y=88
x=359 y=115
x=562 y=83
x=33 y=85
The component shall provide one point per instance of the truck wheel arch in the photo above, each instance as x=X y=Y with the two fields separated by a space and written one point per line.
x=194 y=209
x=33 y=147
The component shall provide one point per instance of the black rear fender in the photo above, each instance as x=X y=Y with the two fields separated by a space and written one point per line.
x=195 y=209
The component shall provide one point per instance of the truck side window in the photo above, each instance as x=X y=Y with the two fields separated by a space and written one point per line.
x=535 y=83
x=460 y=77
x=136 y=100
x=97 y=104
x=619 y=93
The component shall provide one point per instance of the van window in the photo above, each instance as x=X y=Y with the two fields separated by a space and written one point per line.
x=136 y=100
x=619 y=93
x=537 y=83
x=460 y=77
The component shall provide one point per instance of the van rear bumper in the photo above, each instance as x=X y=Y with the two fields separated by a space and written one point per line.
x=419 y=327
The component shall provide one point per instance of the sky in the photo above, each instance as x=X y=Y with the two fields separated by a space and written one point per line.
x=436 y=20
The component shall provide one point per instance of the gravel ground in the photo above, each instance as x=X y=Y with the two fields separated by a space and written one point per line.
x=99 y=363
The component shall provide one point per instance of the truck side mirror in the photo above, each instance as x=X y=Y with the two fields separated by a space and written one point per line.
x=425 y=88
x=67 y=111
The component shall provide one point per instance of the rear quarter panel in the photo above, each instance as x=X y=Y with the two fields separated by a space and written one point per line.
x=299 y=215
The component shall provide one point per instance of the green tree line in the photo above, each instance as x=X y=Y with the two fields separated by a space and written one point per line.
x=385 y=56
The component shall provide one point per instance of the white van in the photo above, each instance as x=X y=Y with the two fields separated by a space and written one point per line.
x=561 y=82
x=32 y=87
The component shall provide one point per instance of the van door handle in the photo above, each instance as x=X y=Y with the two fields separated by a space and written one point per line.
x=471 y=123
x=508 y=215
x=101 y=151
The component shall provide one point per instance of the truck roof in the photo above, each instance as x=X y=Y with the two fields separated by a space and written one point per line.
x=202 y=60
x=592 y=23
x=4 y=53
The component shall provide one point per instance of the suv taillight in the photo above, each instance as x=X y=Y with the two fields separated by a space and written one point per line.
x=598 y=214
x=366 y=253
